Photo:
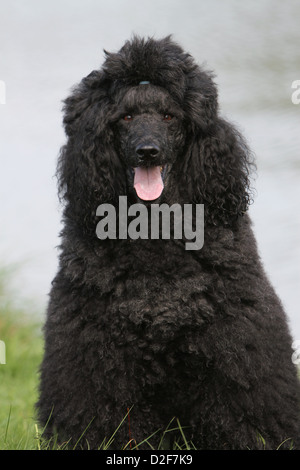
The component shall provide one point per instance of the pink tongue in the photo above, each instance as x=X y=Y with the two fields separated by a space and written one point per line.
x=148 y=183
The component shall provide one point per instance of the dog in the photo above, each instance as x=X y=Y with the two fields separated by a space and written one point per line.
x=144 y=328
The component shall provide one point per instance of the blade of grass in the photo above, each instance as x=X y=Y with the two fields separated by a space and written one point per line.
x=146 y=441
x=7 y=425
x=164 y=433
x=83 y=433
x=110 y=441
x=183 y=435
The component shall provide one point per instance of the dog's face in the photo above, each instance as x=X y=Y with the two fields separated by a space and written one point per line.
x=151 y=136
x=162 y=141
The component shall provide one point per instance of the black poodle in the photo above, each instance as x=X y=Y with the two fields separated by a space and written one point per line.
x=143 y=324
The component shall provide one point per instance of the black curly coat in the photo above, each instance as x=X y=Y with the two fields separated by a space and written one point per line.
x=199 y=335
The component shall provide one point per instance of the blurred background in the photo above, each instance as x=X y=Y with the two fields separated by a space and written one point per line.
x=48 y=46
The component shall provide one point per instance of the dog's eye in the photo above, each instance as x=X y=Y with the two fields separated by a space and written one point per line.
x=128 y=117
x=168 y=117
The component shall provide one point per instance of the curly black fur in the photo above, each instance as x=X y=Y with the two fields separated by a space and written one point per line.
x=199 y=335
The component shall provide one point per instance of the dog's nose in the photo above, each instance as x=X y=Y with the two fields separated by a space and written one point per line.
x=147 y=152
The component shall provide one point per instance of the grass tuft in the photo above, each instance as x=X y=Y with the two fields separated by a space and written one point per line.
x=21 y=332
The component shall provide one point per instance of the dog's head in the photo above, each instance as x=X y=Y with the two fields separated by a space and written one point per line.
x=150 y=137
x=148 y=117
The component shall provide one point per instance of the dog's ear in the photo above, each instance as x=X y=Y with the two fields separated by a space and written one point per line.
x=201 y=99
x=90 y=92
x=216 y=173
x=89 y=168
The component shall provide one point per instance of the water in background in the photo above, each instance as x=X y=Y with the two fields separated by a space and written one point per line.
x=46 y=47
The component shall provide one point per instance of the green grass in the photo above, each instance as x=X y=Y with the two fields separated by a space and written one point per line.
x=21 y=333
